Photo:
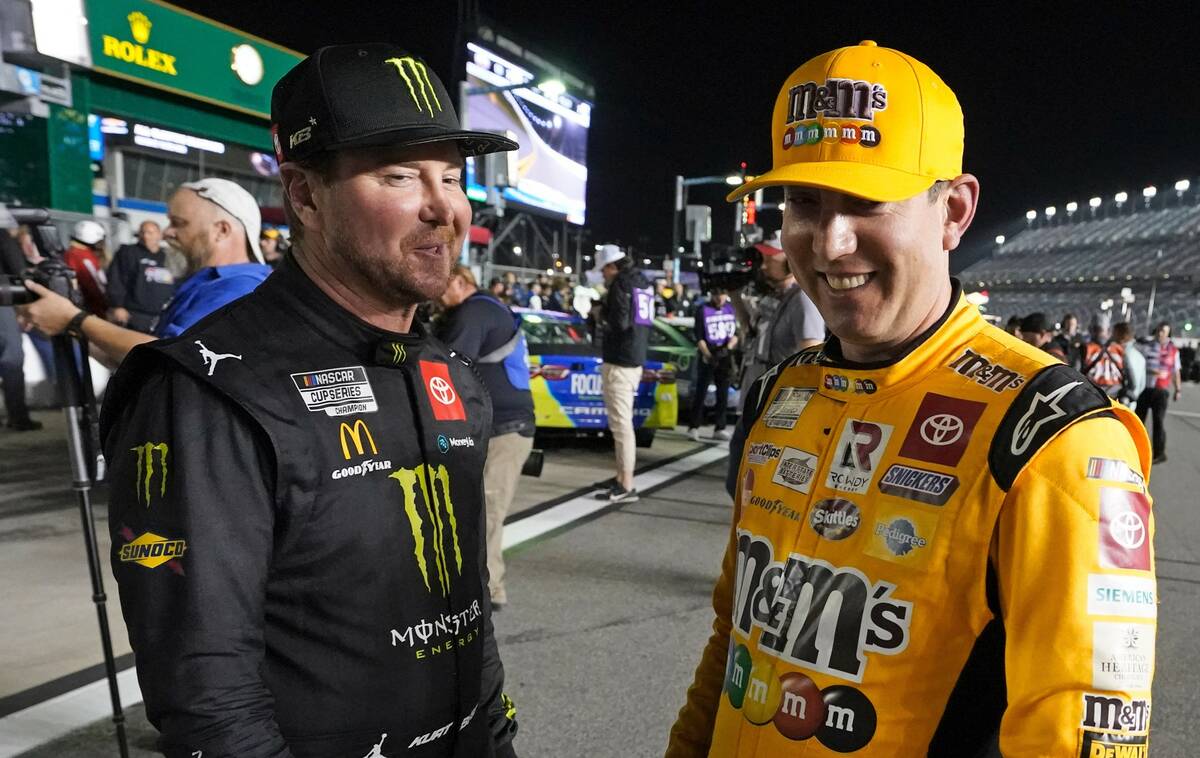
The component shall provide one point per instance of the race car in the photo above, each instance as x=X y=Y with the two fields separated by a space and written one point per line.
x=564 y=377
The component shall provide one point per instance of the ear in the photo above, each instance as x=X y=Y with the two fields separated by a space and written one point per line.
x=299 y=191
x=962 y=198
x=223 y=227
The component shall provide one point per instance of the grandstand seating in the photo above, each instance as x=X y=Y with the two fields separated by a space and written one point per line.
x=1075 y=265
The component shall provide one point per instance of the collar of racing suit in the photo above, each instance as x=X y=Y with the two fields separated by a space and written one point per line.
x=373 y=344
x=940 y=344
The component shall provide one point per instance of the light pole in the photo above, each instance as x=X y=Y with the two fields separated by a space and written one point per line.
x=681 y=193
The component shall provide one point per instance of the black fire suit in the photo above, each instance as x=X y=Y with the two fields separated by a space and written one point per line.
x=300 y=567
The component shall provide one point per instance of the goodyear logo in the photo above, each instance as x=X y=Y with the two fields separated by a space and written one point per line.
x=355 y=434
x=135 y=52
x=432 y=520
x=146 y=470
x=420 y=88
x=152 y=550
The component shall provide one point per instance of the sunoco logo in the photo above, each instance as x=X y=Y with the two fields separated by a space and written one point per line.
x=152 y=550
x=438 y=528
x=415 y=75
x=146 y=470
x=790 y=601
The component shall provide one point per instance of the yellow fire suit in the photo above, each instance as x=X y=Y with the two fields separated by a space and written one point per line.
x=876 y=504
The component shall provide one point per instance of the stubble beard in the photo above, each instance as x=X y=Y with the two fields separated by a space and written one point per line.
x=399 y=282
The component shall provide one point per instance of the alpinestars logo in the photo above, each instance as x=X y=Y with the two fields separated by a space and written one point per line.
x=813 y=614
x=1043 y=410
x=146 y=470
x=440 y=521
x=415 y=75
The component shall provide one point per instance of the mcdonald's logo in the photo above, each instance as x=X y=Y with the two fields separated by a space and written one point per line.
x=438 y=528
x=348 y=433
x=420 y=88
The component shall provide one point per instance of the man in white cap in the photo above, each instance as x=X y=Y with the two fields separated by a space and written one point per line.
x=628 y=311
x=215 y=224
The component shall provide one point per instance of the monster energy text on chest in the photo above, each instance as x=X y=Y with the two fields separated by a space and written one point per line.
x=337 y=391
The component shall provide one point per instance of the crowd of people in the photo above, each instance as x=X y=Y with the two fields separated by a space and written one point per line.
x=317 y=598
x=1144 y=373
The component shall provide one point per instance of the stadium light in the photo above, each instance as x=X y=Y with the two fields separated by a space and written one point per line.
x=553 y=88
x=1150 y=192
x=1072 y=207
x=1095 y=202
x=1050 y=211
x=999 y=239
x=568 y=270
x=1182 y=186
x=1030 y=215
x=516 y=249
x=1121 y=197
x=733 y=180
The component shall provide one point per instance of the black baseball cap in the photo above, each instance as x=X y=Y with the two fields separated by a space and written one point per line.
x=1036 y=323
x=373 y=94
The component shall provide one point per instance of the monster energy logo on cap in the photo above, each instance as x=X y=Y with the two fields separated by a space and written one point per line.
x=439 y=512
x=145 y=470
x=414 y=74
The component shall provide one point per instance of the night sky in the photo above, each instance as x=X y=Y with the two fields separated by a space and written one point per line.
x=1061 y=104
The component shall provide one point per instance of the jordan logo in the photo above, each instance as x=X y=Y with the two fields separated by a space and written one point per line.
x=210 y=358
x=377 y=750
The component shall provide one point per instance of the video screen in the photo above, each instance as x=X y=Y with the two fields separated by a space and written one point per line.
x=550 y=169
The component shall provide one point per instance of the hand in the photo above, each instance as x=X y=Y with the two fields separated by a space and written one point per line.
x=118 y=315
x=50 y=313
x=1177 y=391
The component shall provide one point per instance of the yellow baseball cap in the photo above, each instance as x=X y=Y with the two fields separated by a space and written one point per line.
x=865 y=120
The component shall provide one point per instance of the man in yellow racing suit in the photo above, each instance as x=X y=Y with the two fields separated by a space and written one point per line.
x=919 y=479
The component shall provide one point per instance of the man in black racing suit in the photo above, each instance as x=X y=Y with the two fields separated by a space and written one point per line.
x=301 y=568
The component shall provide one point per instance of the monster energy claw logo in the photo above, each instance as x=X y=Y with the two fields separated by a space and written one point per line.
x=398 y=354
x=416 y=76
x=440 y=514
x=145 y=469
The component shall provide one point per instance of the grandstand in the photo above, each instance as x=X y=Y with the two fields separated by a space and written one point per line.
x=1082 y=264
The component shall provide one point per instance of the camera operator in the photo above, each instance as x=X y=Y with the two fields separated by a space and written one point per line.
x=12 y=351
x=782 y=322
x=215 y=224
